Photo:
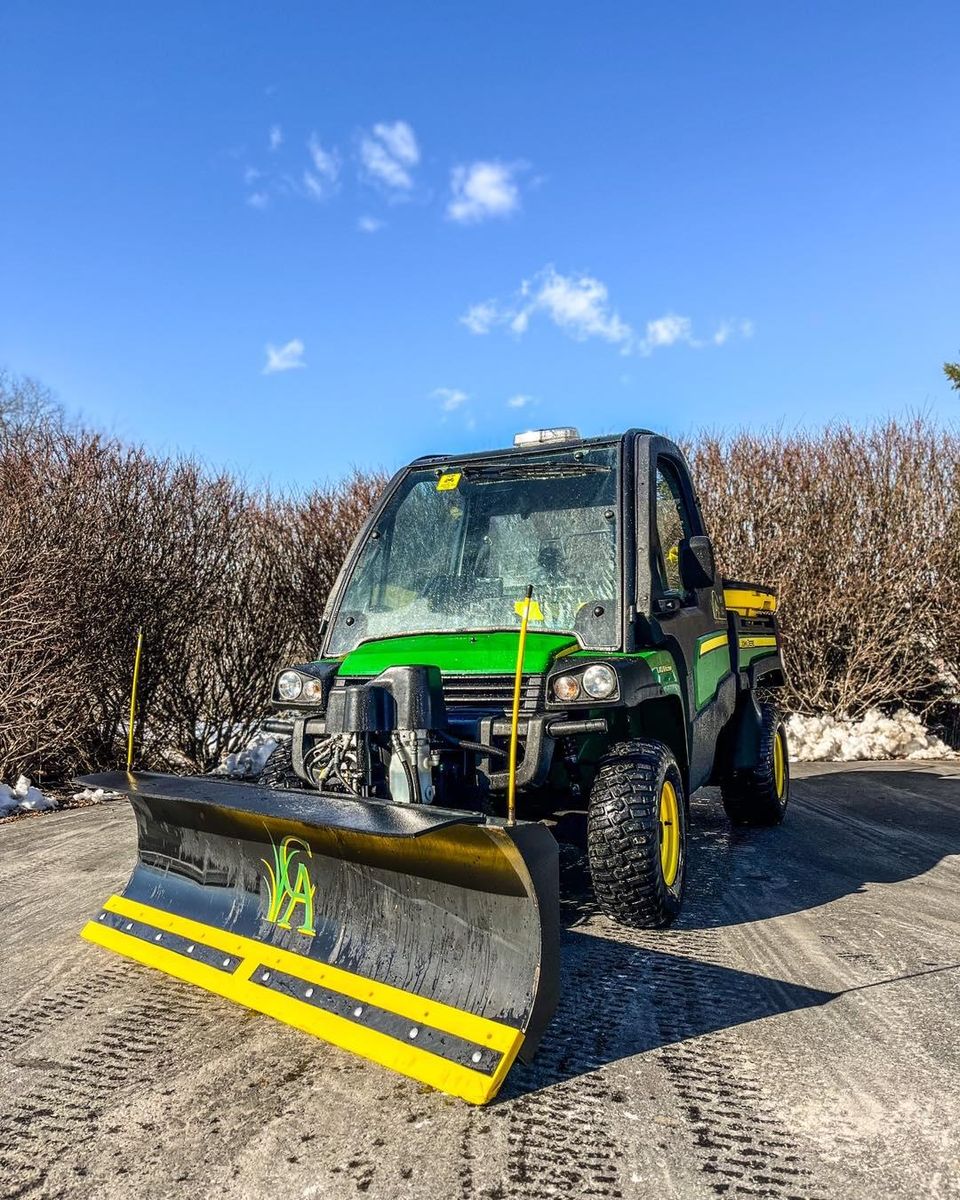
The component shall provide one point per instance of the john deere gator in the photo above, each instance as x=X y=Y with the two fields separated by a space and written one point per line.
x=513 y=633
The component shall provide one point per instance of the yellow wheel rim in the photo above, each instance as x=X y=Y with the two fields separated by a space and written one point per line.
x=669 y=833
x=779 y=759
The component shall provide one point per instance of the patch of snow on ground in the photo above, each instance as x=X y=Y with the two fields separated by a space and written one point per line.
x=23 y=797
x=91 y=795
x=248 y=762
x=874 y=736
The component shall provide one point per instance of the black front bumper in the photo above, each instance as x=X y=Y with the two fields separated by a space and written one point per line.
x=538 y=735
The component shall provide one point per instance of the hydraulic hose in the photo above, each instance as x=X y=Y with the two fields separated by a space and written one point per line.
x=466 y=744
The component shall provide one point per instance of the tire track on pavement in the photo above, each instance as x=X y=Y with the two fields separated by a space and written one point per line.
x=23 y=1025
x=68 y=1104
x=701 y=992
x=667 y=992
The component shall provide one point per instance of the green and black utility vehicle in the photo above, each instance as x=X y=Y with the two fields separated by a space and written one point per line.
x=640 y=672
x=514 y=633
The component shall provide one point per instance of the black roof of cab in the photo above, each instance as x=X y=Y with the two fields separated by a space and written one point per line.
x=609 y=439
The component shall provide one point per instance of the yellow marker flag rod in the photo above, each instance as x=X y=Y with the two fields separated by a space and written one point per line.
x=133 y=699
x=515 y=719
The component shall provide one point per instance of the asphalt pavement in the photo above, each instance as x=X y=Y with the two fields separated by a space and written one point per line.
x=797 y=1034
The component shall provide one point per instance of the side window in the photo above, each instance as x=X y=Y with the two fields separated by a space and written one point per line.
x=673 y=525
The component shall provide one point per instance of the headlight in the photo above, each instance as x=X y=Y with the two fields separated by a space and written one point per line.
x=599 y=681
x=289 y=685
x=313 y=690
x=566 y=687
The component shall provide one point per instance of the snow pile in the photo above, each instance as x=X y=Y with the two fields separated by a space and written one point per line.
x=91 y=795
x=248 y=762
x=874 y=736
x=23 y=797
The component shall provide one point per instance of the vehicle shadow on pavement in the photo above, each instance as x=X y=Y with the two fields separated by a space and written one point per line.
x=843 y=830
x=625 y=992
x=620 y=1000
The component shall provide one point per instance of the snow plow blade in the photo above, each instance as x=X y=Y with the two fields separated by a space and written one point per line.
x=424 y=939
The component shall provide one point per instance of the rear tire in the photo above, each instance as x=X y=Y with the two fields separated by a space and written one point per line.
x=637 y=834
x=278 y=770
x=760 y=794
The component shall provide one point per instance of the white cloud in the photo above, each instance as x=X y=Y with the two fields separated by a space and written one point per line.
x=667 y=331
x=450 y=399
x=580 y=305
x=482 y=190
x=369 y=224
x=325 y=162
x=315 y=187
x=728 y=329
x=400 y=141
x=388 y=152
x=519 y=322
x=674 y=330
x=481 y=318
x=286 y=358
x=521 y=401
x=321 y=182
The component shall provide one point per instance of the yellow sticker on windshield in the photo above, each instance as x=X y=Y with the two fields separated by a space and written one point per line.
x=535 y=613
x=449 y=483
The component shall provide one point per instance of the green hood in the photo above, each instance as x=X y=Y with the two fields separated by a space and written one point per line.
x=458 y=653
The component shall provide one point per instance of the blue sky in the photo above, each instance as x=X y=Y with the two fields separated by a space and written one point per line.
x=296 y=237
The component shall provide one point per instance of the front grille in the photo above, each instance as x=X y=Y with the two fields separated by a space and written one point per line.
x=473 y=692
x=491 y=691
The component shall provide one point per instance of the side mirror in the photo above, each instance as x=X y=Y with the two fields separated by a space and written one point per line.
x=698 y=568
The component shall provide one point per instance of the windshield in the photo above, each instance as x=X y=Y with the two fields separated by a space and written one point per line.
x=456 y=550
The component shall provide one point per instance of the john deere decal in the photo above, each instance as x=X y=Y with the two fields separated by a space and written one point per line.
x=286 y=859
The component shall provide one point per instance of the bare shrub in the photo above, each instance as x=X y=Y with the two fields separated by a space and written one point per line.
x=858 y=530
x=319 y=529
x=216 y=679
x=108 y=553
x=25 y=403
x=41 y=708
x=100 y=540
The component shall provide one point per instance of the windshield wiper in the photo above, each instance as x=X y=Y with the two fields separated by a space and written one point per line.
x=534 y=470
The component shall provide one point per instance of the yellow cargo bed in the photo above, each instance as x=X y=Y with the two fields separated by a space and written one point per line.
x=749 y=599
